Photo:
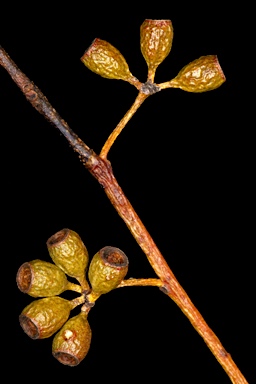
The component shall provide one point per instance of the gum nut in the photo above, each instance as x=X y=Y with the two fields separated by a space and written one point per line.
x=155 y=41
x=43 y=317
x=68 y=252
x=201 y=75
x=71 y=344
x=107 y=269
x=105 y=60
x=39 y=278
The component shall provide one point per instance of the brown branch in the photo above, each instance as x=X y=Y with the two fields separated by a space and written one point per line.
x=102 y=171
x=41 y=104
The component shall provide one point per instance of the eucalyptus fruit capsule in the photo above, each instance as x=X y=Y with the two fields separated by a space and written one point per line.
x=69 y=253
x=43 y=317
x=71 y=344
x=105 y=60
x=107 y=269
x=155 y=41
x=201 y=75
x=39 y=278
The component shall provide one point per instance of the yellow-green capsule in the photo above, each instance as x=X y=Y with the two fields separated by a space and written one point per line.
x=43 y=317
x=201 y=75
x=39 y=278
x=155 y=41
x=107 y=269
x=71 y=344
x=69 y=253
x=105 y=60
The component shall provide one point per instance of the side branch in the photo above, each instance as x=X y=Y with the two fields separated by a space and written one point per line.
x=112 y=137
x=150 y=282
x=102 y=171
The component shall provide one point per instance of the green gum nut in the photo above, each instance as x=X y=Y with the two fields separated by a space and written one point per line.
x=39 y=278
x=71 y=344
x=69 y=253
x=107 y=269
x=42 y=318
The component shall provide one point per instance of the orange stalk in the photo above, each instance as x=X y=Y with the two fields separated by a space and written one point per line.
x=116 y=132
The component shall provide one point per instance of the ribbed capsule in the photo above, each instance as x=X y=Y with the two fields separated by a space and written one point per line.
x=107 y=269
x=42 y=318
x=201 y=75
x=69 y=253
x=71 y=344
x=155 y=41
x=105 y=60
x=39 y=278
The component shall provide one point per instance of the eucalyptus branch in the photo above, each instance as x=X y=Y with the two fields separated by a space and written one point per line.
x=42 y=105
x=101 y=169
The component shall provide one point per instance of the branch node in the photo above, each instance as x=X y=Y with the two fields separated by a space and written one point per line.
x=165 y=290
x=149 y=88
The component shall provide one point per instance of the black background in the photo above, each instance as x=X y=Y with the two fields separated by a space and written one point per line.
x=185 y=163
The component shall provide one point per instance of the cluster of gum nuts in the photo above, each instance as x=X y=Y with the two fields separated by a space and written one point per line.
x=40 y=279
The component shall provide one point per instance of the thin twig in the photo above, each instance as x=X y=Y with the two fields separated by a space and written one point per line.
x=112 y=137
x=150 y=282
x=102 y=171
